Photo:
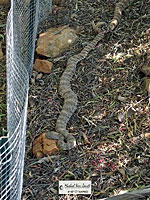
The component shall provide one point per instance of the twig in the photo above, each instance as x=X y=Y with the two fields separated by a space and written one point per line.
x=57 y=32
x=89 y=121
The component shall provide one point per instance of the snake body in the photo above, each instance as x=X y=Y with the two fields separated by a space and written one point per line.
x=66 y=141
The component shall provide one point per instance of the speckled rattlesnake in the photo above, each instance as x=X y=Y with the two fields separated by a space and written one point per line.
x=65 y=140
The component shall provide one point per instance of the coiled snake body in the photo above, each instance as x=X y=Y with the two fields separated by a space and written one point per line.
x=65 y=140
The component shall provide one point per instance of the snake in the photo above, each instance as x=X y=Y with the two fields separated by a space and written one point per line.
x=66 y=140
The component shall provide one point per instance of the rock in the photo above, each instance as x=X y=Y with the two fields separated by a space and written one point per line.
x=43 y=66
x=49 y=146
x=43 y=146
x=55 y=41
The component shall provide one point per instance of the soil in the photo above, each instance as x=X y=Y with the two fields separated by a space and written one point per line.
x=113 y=154
x=3 y=15
x=113 y=149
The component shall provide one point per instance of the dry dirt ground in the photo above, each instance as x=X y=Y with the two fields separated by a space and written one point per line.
x=3 y=15
x=117 y=155
x=113 y=153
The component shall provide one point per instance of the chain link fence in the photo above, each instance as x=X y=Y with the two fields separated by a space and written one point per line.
x=21 y=31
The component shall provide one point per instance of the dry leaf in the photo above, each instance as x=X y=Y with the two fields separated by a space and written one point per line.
x=86 y=141
x=1 y=53
x=146 y=69
x=146 y=85
x=122 y=171
x=123 y=99
x=126 y=114
x=4 y=2
x=147 y=135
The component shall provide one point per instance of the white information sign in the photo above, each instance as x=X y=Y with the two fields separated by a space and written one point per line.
x=75 y=187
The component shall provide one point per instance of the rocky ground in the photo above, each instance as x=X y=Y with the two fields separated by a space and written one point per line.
x=111 y=123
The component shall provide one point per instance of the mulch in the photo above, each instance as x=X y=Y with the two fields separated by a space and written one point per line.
x=3 y=113
x=113 y=153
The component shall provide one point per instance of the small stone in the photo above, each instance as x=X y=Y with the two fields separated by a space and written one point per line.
x=55 y=41
x=37 y=147
x=43 y=66
x=43 y=146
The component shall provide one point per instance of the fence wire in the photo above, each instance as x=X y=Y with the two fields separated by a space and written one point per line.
x=21 y=31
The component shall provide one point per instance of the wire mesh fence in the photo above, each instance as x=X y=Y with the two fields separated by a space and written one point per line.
x=21 y=31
